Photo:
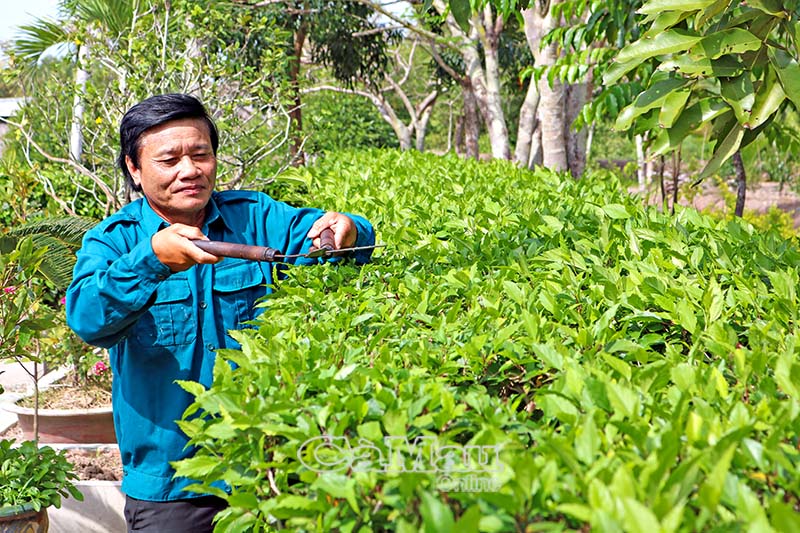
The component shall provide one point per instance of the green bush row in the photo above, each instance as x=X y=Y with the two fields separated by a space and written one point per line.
x=528 y=353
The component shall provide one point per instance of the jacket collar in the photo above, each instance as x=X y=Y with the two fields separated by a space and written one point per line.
x=152 y=222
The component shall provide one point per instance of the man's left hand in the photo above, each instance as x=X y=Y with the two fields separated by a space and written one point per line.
x=344 y=230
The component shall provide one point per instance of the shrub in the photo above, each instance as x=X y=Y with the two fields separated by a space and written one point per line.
x=577 y=361
x=336 y=121
x=34 y=476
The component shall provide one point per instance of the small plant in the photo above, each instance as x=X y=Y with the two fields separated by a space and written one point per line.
x=35 y=477
x=23 y=316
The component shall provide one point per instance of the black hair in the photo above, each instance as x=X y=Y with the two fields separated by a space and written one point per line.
x=152 y=112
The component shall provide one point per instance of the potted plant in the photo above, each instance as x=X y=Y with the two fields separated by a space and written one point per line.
x=31 y=480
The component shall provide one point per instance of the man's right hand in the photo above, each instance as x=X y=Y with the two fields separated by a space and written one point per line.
x=173 y=247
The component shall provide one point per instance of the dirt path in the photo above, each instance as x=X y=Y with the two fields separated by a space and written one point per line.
x=760 y=197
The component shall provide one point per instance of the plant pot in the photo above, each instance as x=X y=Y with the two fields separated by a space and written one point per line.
x=67 y=426
x=23 y=518
x=101 y=511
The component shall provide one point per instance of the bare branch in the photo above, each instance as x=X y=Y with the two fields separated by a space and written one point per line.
x=405 y=24
x=77 y=166
x=373 y=31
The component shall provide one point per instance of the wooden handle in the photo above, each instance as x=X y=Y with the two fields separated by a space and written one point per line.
x=326 y=241
x=242 y=251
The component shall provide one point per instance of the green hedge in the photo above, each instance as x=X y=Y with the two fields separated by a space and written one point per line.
x=638 y=372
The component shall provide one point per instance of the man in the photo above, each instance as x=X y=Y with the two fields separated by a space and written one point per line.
x=162 y=306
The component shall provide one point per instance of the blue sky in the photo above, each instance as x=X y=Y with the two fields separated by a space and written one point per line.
x=19 y=12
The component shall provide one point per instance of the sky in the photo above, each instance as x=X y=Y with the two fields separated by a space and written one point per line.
x=14 y=13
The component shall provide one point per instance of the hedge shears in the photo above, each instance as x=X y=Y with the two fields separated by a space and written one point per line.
x=327 y=248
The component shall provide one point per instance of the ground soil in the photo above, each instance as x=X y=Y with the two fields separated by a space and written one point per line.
x=59 y=396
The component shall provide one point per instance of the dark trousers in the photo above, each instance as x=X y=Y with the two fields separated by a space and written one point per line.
x=193 y=515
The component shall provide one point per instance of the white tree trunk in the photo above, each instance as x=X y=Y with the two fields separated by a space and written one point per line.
x=76 y=131
x=577 y=96
x=551 y=100
x=471 y=123
x=526 y=126
x=641 y=164
x=536 y=147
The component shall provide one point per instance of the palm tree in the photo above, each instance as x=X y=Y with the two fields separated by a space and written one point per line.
x=61 y=236
x=81 y=16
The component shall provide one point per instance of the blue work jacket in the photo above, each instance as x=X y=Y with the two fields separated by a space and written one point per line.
x=161 y=326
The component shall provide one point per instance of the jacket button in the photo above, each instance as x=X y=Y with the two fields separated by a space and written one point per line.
x=203 y=305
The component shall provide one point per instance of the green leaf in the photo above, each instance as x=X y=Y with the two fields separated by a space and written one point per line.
x=724 y=150
x=619 y=69
x=469 y=521
x=639 y=518
x=738 y=92
x=770 y=7
x=711 y=489
x=714 y=9
x=783 y=517
x=663 y=21
x=729 y=41
x=690 y=119
x=651 y=98
x=673 y=106
x=462 y=12
x=654 y=7
x=576 y=510
x=787 y=374
x=703 y=67
x=623 y=399
x=436 y=516
x=788 y=73
x=668 y=42
x=686 y=316
x=549 y=355
x=198 y=466
x=371 y=431
x=616 y=211
x=292 y=501
x=192 y=387
x=768 y=98
x=587 y=442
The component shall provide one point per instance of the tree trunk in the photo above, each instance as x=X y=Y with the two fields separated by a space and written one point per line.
x=422 y=127
x=76 y=132
x=472 y=125
x=536 y=146
x=577 y=95
x=527 y=123
x=458 y=135
x=641 y=163
x=496 y=125
x=538 y=22
x=551 y=116
x=741 y=183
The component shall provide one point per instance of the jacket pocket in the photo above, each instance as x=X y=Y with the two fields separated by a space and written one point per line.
x=237 y=287
x=170 y=321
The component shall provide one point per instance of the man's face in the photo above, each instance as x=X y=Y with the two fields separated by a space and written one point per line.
x=177 y=170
